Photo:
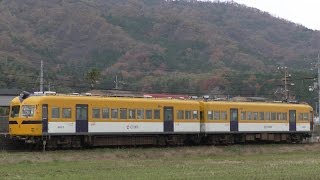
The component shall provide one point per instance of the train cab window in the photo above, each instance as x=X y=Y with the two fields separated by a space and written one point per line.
x=132 y=114
x=156 y=114
x=114 y=113
x=140 y=114
x=66 y=112
x=28 y=110
x=148 y=114
x=243 y=115
x=180 y=114
x=96 y=113
x=123 y=113
x=105 y=113
x=195 y=115
x=305 y=116
x=210 y=115
x=261 y=115
x=55 y=112
x=15 y=111
x=255 y=115
x=216 y=115
x=267 y=115
x=273 y=116
x=223 y=115
x=249 y=117
x=187 y=115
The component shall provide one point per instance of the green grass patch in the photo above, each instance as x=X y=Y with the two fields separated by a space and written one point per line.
x=206 y=162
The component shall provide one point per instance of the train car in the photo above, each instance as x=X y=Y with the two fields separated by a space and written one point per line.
x=255 y=121
x=62 y=120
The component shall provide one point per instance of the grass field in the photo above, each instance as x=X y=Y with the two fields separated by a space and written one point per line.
x=205 y=162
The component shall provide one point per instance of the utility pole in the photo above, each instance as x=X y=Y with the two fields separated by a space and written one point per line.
x=41 y=77
x=318 y=66
x=116 y=82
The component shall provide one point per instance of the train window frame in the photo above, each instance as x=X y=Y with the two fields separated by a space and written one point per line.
x=66 y=113
x=123 y=113
x=285 y=116
x=223 y=115
x=180 y=114
x=216 y=115
x=149 y=114
x=140 y=114
x=132 y=114
x=55 y=112
x=243 y=115
x=255 y=116
x=267 y=116
x=14 y=109
x=273 y=116
x=105 y=113
x=114 y=113
x=210 y=115
x=261 y=116
x=187 y=114
x=157 y=114
x=96 y=113
x=249 y=115
x=195 y=115
x=305 y=116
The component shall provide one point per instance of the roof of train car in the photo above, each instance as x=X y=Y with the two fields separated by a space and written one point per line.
x=38 y=99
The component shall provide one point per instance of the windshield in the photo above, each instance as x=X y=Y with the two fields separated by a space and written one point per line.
x=15 y=111
x=28 y=110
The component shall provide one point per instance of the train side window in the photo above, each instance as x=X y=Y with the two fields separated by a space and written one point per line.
x=187 y=114
x=140 y=114
x=195 y=115
x=66 y=112
x=243 y=115
x=156 y=113
x=300 y=117
x=255 y=115
x=55 y=112
x=114 y=113
x=148 y=114
x=223 y=115
x=267 y=115
x=279 y=116
x=261 y=115
x=132 y=114
x=216 y=115
x=285 y=116
x=305 y=116
x=180 y=114
x=210 y=115
x=273 y=116
x=96 y=113
x=105 y=113
x=123 y=113
x=249 y=116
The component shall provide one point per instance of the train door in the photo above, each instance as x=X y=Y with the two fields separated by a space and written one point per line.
x=81 y=118
x=45 y=118
x=292 y=120
x=234 y=120
x=168 y=119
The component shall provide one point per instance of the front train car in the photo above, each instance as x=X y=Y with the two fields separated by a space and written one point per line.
x=25 y=117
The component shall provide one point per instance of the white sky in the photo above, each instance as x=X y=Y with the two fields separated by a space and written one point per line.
x=304 y=12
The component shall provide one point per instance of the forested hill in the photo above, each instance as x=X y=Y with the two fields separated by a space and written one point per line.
x=152 y=45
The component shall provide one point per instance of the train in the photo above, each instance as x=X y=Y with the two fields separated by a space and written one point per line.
x=76 y=121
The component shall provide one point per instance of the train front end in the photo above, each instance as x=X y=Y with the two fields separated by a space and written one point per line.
x=25 y=117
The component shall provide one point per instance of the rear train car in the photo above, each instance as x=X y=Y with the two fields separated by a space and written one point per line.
x=256 y=121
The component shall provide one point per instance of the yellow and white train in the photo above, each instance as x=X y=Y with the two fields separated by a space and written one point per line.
x=76 y=121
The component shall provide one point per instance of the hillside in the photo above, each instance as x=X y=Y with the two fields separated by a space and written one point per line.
x=152 y=45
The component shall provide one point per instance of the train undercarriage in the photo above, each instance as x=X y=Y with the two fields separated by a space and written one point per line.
x=53 y=142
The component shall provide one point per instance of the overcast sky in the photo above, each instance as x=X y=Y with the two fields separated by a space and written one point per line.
x=305 y=12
